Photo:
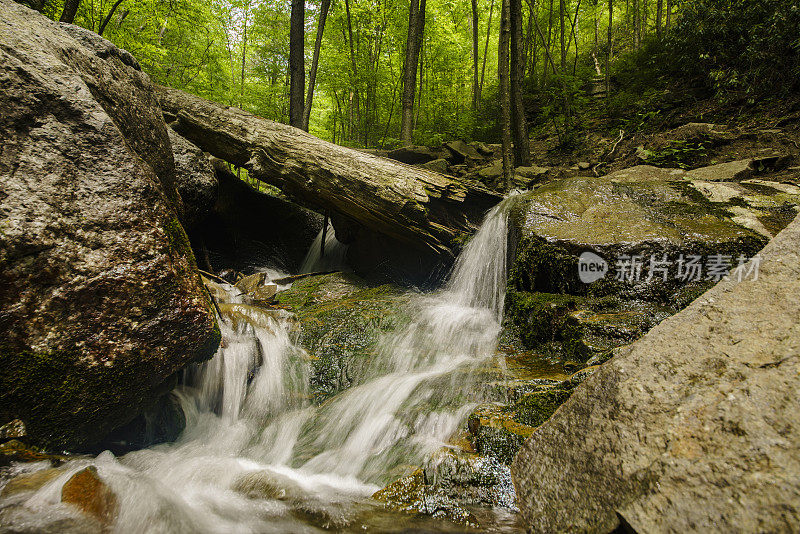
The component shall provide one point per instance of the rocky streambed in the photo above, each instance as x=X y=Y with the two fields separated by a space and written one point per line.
x=554 y=380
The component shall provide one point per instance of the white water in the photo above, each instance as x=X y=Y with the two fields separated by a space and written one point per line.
x=333 y=258
x=249 y=415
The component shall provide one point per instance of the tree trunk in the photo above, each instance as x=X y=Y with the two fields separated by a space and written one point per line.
x=475 y=73
x=297 y=72
x=416 y=17
x=669 y=15
x=354 y=100
x=562 y=15
x=108 y=17
x=504 y=75
x=486 y=47
x=244 y=51
x=312 y=76
x=70 y=9
x=659 y=16
x=610 y=46
x=522 y=153
x=419 y=207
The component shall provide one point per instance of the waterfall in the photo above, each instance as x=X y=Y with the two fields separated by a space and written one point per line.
x=250 y=423
x=332 y=260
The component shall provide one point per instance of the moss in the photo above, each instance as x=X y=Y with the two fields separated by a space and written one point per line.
x=541 y=266
x=68 y=403
x=341 y=318
x=545 y=320
x=535 y=408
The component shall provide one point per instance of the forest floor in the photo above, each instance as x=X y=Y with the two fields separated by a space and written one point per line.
x=657 y=135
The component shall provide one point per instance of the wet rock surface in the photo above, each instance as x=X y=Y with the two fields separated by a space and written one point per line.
x=341 y=317
x=100 y=294
x=690 y=428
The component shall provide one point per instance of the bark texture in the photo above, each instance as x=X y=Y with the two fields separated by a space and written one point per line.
x=419 y=207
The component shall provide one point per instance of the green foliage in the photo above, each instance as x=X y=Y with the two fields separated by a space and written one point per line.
x=740 y=47
x=678 y=154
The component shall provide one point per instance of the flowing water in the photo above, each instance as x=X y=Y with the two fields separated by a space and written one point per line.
x=328 y=258
x=258 y=456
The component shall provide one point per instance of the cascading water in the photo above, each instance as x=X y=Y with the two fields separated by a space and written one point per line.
x=258 y=456
x=333 y=257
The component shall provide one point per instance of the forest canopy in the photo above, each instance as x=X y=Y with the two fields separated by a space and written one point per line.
x=237 y=52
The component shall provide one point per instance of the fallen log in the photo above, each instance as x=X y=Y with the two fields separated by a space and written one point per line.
x=416 y=206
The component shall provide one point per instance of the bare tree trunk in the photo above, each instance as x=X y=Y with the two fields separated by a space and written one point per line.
x=548 y=44
x=312 y=76
x=354 y=101
x=475 y=74
x=244 y=51
x=70 y=9
x=669 y=15
x=562 y=15
x=108 y=17
x=610 y=46
x=297 y=72
x=522 y=154
x=504 y=75
x=637 y=24
x=659 y=16
x=486 y=47
x=416 y=18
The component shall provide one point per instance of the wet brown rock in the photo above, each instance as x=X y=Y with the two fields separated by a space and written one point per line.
x=91 y=495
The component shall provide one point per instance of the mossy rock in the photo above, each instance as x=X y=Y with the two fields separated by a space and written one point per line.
x=340 y=318
x=546 y=320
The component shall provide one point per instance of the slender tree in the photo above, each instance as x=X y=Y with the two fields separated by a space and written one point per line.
x=416 y=17
x=610 y=47
x=659 y=16
x=522 y=155
x=244 y=51
x=297 y=74
x=475 y=73
x=504 y=75
x=312 y=76
x=562 y=15
x=354 y=99
x=108 y=17
x=70 y=9
x=486 y=47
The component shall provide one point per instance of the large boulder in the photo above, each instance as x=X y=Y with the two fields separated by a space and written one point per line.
x=195 y=180
x=692 y=428
x=100 y=297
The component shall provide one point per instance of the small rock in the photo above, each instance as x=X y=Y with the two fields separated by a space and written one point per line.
x=724 y=172
x=438 y=165
x=584 y=165
x=29 y=482
x=16 y=451
x=268 y=485
x=492 y=172
x=461 y=152
x=484 y=149
x=413 y=155
x=91 y=495
x=250 y=283
x=12 y=430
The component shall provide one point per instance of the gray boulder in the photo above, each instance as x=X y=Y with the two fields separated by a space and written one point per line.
x=413 y=155
x=195 y=179
x=691 y=429
x=101 y=301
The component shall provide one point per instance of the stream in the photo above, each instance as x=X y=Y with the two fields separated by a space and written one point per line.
x=257 y=455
